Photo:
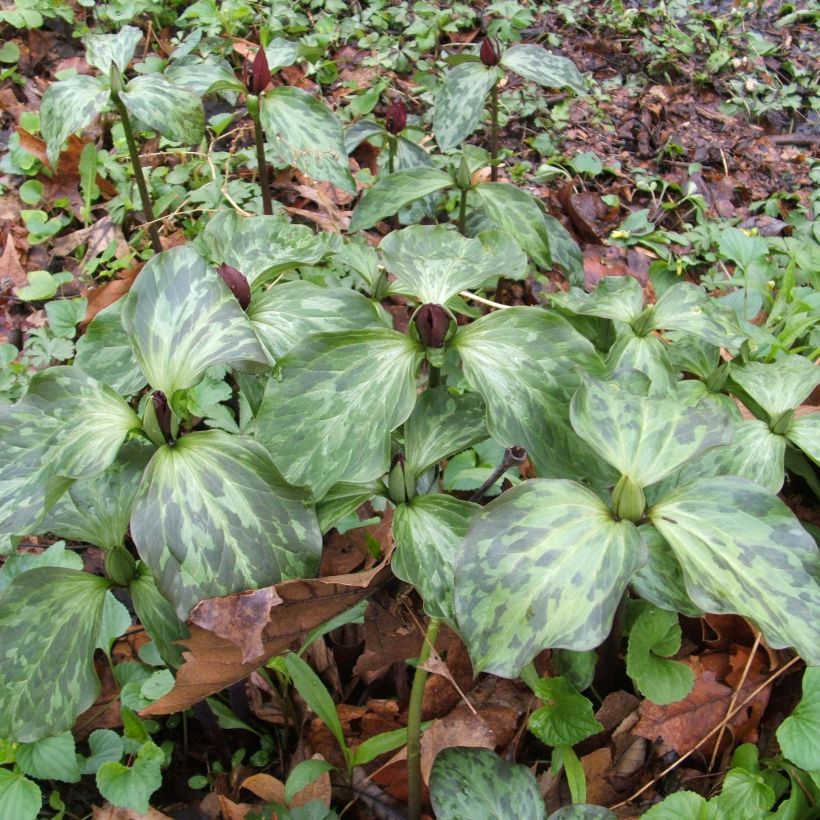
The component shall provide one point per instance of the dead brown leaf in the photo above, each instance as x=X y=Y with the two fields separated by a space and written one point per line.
x=12 y=273
x=97 y=237
x=109 y=812
x=105 y=295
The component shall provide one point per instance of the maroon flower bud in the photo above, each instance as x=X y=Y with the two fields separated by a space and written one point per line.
x=489 y=53
x=432 y=323
x=260 y=74
x=163 y=414
x=237 y=283
x=395 y=118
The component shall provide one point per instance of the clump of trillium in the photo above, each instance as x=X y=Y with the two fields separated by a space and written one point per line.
x=255 y=83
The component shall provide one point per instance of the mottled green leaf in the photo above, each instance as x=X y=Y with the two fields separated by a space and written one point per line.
x=566 y=718
x=564 y=250
x=690 y=354
x=428 y=532
x=20 y=798
x=646 y=438
x=281 y=53
x=743 y=551
x=393 y=192
x=115 y=620
x=104 y=50
x=647 y=355
x=805 y=433
x=131 y=787
x=687 y=308
x=459 y=105
x=214 y=517
x=201 y=74
x=345 y=498
x=54 y=556
x=544 y=565
x=50 y=758
x=339 y=395
x=442 y=424
x=47 y=675
x=478 y=784
x=181 y=319
x=69 y=106
x=525 y=362
x=537 y=64
x=307 y=135
x=104 y=745
x=285 y=314
x=360 y=131
x=169 y=109
x=799 y=734
x=780 y=386
x=616 y=297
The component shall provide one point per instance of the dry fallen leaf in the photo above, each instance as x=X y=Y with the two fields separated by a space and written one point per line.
x=109 y=812
x=12 y=273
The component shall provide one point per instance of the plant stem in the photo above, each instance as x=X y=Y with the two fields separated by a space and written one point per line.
x=462 y=211
x=147 y=207
x=391 y=154
x=414 y=723
x=494 y=133
x=264 y=182
x=433 y=376
x=512 y=457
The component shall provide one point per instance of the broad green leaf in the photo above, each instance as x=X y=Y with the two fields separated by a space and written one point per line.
x=329 y=415
x=577 y=667
x=181 y=319
x=616 y=297
x=693 y=355
x=687 y=308
x=131 y=787
x=583 y=811
x=285 y=314
x=104 y=50
x=393 y=192
x=525 y=362
x=745 y=795
x=115 y=620
x=805 y=433
x=428 y=532
x=566 y=718
x=655 y=635
x=306 y=134
x=214 y=516
x=169 y=109
x=378 y=745
x=20 y=798
x=281 y=53
x=537 y=64
x=544 y=565
x=47 y=675
x=51 y=758
x=345 y=498
x=203 y=75
x=459 y=105
x=780 y=386
x=260 y=246
x=69 y=106
x=442 y=424
x=105 y=352
x=478 y=784
x=433 y=263
x=517 y=213
x=679 y=805
x=799 y=734
x=360 y=131
x=564 y=250
x=647 y=355
x=659 y=437
x=54 y=556
x=105 y=746
x=743 y=552
x=303 y=774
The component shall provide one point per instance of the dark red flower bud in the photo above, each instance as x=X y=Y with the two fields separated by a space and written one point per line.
x=163 y=414
x=489 y=53
x=395 y=118
x=432 y=323
x=260 y=75
x=237 y=283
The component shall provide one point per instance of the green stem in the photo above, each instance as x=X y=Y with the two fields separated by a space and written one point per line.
x=264 y=182
x=462 y=211
x=391 y=154
x=147 y=207
x=494 y=133
x=433 y=376
x=414 y=724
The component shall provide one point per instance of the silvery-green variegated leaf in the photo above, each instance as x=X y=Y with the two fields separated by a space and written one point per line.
x=392 y=192
x=616 y=297
x=564 y=250
x=285 y=314
x=47 y=673
x=281 y=53
x=105 y=352
x=306 y=134
x=537 y=64
x=660 y=579
x=329 y=414
x=644 y=437
x=97 y=510
x=459 y=105
x=428 y=532
x=104 y=50
x=214 y=516
x=689 y=354
x=687 y=308
x=743 y=552
x=202 y=74
x=645 y=354
x=182 y=319
x=360 y=131
x=544 y=565
x=692 y=392
x=260 y=246
x=442 y=424
x=804 y=432
x=345 y=498
x=780 y=386
x=54 y=556
x=69 y=106
x=517 y=213
x=410 y=154
x=157 y=615
x=169 y=109
x=433 y=263
x=526 y=362
x=92 y=420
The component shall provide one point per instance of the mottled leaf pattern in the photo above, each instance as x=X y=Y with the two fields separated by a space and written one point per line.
x=433 y=263
x=47 y=674
x=544 y=565
x=564 y=250
x=687 y=308
x=537 y=64
x=459 y=104
x=360 y=131
x=169 y=109
x=647 y=355
x=214 y=516
x=743 y=551
x=616 y=297
x=428 y=533
x=69 y=106
x=181 y=319
x=307 y=135
x=329 y=415
x=104 y=50
x=200 y=74
x=805 y=433
x=779 y=386
x=345 y=498
x=281 y=53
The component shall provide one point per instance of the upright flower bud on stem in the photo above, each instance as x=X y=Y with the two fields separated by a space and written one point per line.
x=489 y=52
x=395 y=118
x=400 y=482
x=432 y=323
x=256 y=83
x=628 y=500
x=260 y=73
x=238 y=284
x=162 y=411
